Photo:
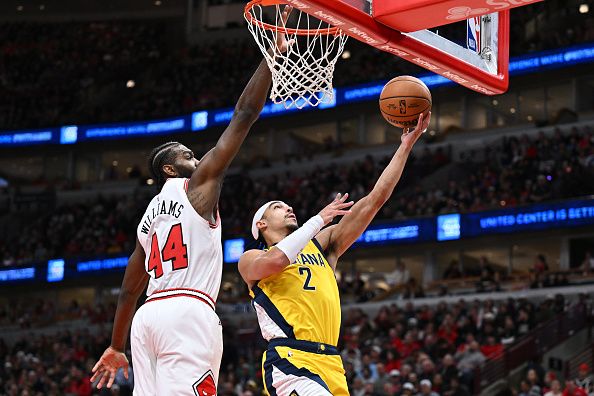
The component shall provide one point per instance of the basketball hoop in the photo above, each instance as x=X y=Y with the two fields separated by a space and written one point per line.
x=302 y=75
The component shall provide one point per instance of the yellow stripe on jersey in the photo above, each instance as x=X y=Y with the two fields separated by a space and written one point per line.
x=302 y=301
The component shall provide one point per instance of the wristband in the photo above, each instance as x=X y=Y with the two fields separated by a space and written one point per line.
x=293 y=244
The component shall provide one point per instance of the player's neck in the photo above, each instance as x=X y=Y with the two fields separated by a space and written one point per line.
x=275 y=237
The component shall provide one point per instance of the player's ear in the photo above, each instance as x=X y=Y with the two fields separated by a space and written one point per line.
x=169 y=170
x=262 y=225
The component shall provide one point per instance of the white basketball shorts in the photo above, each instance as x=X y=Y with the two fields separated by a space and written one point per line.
x=177 y=345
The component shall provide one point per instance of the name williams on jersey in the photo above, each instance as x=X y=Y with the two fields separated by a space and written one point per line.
x=161 y=207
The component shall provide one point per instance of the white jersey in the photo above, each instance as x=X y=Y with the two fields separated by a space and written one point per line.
x=183 y=250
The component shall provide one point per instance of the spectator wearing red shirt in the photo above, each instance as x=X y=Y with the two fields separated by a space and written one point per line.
x=409 y=346
x=448 y=331
x=492 y=348
x=585 y=380
x=571 y=389
x=77 y=383
x=392 y=361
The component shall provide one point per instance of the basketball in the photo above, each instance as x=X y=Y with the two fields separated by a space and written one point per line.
x=403 y=99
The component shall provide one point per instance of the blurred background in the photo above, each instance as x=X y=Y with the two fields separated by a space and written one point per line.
x=476 y=278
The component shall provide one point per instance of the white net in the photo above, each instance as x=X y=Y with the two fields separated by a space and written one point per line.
x=302 y=75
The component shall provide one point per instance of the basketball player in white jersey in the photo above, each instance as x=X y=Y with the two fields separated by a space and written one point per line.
x=176 y=335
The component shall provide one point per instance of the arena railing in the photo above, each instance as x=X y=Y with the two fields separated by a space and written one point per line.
x=586 y=355
x=540 y=340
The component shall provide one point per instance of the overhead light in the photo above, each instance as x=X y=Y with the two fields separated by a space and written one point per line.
x=130 y=84
x=20 y=8
x=512 y=110
x=41 y=7
x=150 y=182
x=346 y=54
x=529 y=118
x=584 y=8
x=114 y=163
x=495 y=102
x=129 y=169
x=157 y=2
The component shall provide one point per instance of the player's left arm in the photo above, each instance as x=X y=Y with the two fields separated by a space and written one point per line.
x=335 y=240
x=114 y=358
x=247 y=110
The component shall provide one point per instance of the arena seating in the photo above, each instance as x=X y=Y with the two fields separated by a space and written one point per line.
x=454 y=345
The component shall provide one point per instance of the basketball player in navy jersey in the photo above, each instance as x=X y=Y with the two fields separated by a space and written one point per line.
x=176 y=335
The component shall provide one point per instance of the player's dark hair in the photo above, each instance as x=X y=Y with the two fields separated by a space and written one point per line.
x=259 y=244
x=161 y=155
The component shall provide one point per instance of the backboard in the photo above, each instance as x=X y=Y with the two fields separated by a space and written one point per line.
x=400 y=28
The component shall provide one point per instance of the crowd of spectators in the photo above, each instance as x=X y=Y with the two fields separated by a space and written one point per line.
x=309 y=191
x=427 y=350
x=514 y=171
x=53 y=74
x=56 y=365
x=541 y=382
x=93 y=72
x=103 y=227
x=34 y=313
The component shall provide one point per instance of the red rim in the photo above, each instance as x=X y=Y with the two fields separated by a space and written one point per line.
x=300 y=32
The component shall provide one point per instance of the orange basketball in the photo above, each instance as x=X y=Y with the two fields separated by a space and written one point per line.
x=403 y=100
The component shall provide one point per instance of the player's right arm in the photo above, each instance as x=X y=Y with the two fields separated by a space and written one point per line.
x=258 y=264
x=135 y=281
x=337 y=239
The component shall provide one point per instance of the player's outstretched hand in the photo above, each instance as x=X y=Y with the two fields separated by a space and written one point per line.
x=409 y=137
x=282 y=44
x=106 y=368
x=338 y=207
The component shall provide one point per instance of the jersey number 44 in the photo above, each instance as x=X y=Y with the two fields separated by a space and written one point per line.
x=174 y=250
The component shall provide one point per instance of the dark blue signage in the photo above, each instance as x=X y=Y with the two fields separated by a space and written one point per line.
x=448 y=227
x=55 y=270
x=102 y=265
x=17 y=274
x=531 y=218
x=408 y=231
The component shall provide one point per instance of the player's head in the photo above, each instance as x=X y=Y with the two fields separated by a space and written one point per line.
x=274 y=217
x=171 y=159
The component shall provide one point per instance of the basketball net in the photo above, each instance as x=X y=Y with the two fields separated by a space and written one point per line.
x=302 y=75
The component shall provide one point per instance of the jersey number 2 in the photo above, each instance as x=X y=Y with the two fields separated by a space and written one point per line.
x=307 y=272
x=174 y=250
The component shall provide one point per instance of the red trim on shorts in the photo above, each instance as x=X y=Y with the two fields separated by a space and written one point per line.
x=186 y=185
x=181 y=295
x=183 y=289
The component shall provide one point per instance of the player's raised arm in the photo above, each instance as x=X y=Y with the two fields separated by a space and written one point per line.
x=258 y=264
x=337 y=239
x=114 y=358
x=246 y=112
